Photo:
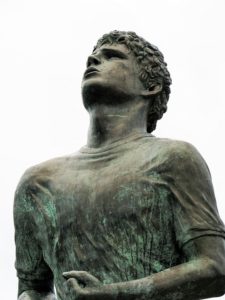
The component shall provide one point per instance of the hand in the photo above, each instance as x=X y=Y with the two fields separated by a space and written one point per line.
x=82 y=285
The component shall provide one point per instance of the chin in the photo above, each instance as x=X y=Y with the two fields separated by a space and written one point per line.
x=99 y=92
x=92 y=91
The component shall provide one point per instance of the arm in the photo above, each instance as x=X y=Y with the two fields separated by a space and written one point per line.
x=35 y=276
x=203 y=276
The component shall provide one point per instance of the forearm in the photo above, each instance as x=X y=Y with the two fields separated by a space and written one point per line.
x=196 y=279
x=202 y=277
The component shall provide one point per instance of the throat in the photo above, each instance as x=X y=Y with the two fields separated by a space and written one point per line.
x=111 y=124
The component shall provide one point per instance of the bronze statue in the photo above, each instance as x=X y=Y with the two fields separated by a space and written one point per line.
x=129 y=216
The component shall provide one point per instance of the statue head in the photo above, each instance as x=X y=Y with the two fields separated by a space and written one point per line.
x=152 y=70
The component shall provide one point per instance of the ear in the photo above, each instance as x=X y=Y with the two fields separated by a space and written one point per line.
x=153 y=91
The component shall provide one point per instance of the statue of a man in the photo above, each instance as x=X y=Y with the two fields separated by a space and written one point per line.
x=129 y=216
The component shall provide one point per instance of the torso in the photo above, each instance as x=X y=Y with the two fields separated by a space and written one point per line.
x=107 y=213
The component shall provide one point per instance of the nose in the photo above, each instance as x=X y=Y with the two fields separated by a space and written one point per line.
x=93 y=60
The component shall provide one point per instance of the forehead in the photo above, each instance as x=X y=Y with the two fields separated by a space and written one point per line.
x=119 y=47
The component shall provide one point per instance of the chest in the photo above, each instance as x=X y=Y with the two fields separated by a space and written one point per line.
x=88 y=197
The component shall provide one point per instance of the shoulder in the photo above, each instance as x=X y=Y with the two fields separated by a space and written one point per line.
x=176 y=149
x=178 y=155
x=42 y=174
x=171 y=146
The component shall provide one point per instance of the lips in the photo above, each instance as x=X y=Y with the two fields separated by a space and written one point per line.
x=90 y=70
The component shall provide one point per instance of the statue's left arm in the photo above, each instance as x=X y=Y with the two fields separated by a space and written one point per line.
x=200 y=278
x=200 y=238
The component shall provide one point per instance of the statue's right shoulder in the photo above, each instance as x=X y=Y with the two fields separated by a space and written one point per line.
x=43 y=173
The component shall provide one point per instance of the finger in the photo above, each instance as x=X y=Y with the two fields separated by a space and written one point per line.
x=73 y=285
x=78 y=276
x=69 y=274
x=83 y=277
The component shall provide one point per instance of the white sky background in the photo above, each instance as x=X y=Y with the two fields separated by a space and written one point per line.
x=43 y=49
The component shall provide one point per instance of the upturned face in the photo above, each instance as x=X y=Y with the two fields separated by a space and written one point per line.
x=111 y=76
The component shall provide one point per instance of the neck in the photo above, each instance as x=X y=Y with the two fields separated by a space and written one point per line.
x=111 y=123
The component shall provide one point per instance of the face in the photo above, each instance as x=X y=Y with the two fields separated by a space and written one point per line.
x=111 y=76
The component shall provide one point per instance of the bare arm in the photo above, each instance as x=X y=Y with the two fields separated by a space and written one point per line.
x=203 y=276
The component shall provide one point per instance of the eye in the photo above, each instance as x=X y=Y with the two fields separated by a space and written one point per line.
x=113 y=54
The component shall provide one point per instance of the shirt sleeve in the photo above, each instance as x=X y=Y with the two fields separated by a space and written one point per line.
x=32 y=271
x=194 y=205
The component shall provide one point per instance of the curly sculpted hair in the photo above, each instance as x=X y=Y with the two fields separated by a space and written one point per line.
x=153 y=69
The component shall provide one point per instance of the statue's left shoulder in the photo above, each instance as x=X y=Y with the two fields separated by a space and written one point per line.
x=178 y=157
x=182 y=151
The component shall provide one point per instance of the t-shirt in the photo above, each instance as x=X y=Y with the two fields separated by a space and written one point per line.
x=120 y=212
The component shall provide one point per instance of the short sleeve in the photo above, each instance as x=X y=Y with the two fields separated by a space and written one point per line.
x=30 y=265
x=194 y=204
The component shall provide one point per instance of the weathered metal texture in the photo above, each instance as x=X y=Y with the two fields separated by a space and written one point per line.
x=129 y=216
